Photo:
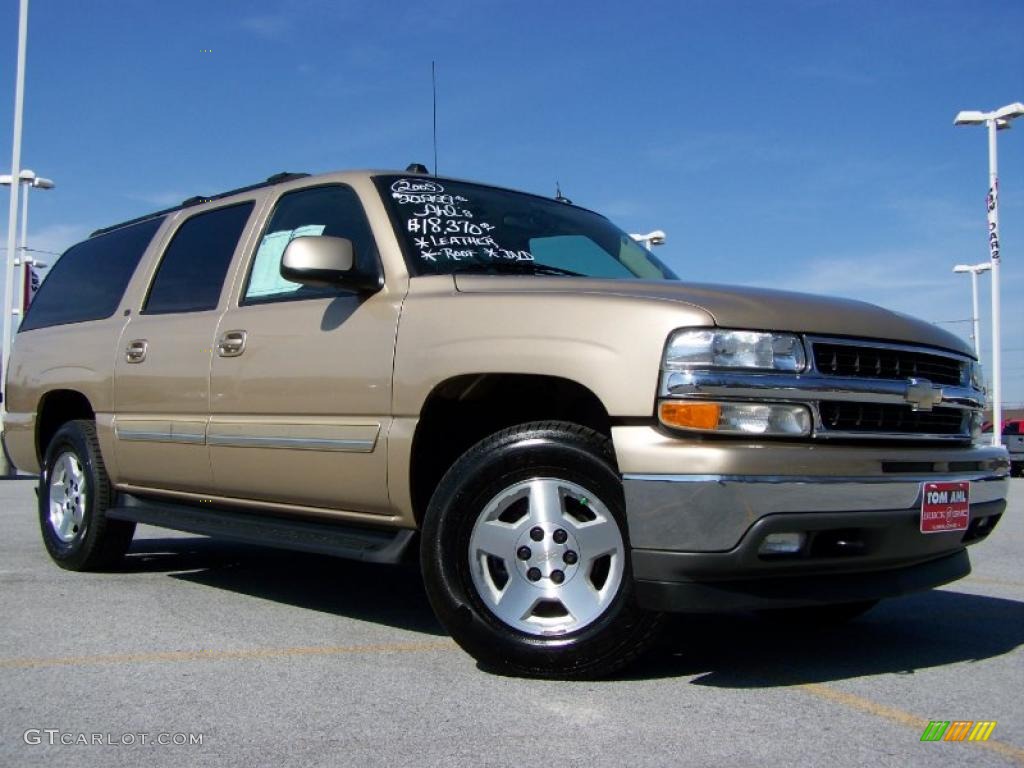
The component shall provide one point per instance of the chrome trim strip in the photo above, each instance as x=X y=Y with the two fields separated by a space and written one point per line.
x=923 y=349
x=159 y=437
x=156 y=437
x=889 y=345
x=937 y=477
x=300 y=443
x=782 y=387
x=823 y=433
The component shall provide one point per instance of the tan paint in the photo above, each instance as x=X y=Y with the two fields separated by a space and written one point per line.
x=77 y=357
x=317 y=361
x=610 y=344
x=344 y=368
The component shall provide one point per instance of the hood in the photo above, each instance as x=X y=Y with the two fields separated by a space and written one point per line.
x=741 y=307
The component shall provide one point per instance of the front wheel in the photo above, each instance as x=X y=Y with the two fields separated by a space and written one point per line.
x=525 y=555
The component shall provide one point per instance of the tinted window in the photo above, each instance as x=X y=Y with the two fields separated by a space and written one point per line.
x=333 y=210
x=88 y=281
x=192 y=271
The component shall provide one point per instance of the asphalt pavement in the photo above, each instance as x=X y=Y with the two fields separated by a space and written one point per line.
x=201 y=652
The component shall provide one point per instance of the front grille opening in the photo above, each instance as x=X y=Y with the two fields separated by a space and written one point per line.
x=857 y=361
x=908 y=467
x=847 y=542
x=868 y=418
x=980 y=527
x=966 y=466
x=927 y=467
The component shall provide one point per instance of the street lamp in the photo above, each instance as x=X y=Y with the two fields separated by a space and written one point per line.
x=975 y=270
x=12 y=212
x=28 y=180
x=657 y=237
x=995 y=120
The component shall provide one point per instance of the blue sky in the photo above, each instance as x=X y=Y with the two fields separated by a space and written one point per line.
x=801 y=145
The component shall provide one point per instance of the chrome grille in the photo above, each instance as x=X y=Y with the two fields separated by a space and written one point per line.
x=868 y=418
x=871 y=362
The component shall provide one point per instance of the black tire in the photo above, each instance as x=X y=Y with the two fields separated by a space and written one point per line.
x=823 y=616
x=95 y=542
x=567 y=453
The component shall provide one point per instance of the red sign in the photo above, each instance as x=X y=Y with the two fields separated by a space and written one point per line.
x=945 y=507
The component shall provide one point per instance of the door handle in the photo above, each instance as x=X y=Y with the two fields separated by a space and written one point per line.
x=135 y=352
x=231 y=343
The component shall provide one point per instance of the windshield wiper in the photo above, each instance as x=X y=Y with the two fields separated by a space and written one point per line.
x=514 y=268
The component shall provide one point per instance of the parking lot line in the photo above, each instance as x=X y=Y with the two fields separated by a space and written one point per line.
x=899 y=716
x=241 y=654
x=997 y=582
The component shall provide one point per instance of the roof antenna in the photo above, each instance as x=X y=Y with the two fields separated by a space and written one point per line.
x=433 y=85
x=559 y=197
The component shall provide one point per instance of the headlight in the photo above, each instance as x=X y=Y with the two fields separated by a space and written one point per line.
x=751 y=350
x=777 y=419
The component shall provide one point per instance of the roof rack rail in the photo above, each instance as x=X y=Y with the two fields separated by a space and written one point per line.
x=277 y=178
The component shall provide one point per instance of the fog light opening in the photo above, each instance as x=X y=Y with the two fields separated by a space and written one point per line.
x=782 y=544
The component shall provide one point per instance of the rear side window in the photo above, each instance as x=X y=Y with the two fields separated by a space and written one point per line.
x=192 y=271
x=89 y=280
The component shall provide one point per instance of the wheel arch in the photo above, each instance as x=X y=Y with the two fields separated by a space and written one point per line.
x=462 y=410
x=56 y=408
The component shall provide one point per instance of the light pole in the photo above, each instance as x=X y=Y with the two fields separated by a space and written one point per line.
x=28 y=180
x=657 y=237
x=12 y=214
x=975 y=270
x=995 y=121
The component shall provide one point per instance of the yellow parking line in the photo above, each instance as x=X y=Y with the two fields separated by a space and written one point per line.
x=1000 y=582
x=252 y=653
x=894 y=715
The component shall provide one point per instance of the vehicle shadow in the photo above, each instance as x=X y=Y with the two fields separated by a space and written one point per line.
x=900 y=636
x=390 y=595
x=730 y=651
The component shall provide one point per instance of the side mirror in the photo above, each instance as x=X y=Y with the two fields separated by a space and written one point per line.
x=324 y=261
x=319 y=261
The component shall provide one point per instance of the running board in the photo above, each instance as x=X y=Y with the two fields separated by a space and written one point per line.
x=355 y=543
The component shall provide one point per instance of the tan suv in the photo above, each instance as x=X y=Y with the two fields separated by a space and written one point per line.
x=578 y=441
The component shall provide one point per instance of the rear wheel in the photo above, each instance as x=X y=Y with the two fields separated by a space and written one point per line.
x=525 y=555
x=74 y=494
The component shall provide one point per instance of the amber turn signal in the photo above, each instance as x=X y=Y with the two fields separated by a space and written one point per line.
x=690 y=415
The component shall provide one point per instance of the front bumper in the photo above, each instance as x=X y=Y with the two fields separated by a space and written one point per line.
x=696 y=538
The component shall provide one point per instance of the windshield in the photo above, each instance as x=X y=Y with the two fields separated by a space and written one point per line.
x=452 y=226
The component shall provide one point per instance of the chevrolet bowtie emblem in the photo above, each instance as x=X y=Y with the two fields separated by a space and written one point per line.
x=922 y=394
